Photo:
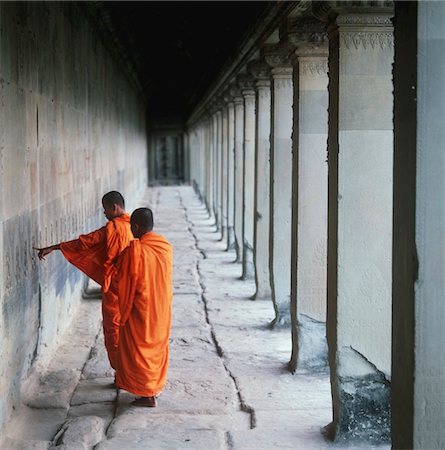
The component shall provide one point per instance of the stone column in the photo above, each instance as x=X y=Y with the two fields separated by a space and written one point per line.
x=418 y=360
x=310 y=197
x=246 y=84
x=202 y=159
x=261 y=72
x=217 y=151
x=277 y=56
x=230 y=173
x=360 y=147
x=209 y=165
x=239 y=171
x=224 y=166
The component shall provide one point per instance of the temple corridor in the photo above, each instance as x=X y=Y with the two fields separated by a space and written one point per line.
x=293 y=153
x=228 y=385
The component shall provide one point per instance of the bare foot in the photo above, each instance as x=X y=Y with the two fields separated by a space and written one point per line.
x=148 y=402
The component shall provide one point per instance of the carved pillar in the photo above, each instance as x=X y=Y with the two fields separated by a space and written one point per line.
x=230 y=172
x=246 y=84
x=208 y=142
x=360 y=147
x=261 y=72
x=218 y=168
x=223 y=159
x=277 y=56
x=310 y=197
x=202 y=159
x=239 y=171
x=418 y=361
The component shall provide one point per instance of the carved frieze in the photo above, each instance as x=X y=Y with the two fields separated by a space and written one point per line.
x=307 y=30
x=313 y=66
x=366 y=40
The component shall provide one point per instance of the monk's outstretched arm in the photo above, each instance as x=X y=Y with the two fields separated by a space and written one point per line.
x=46 y=250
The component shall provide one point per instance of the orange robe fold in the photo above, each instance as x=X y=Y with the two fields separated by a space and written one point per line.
x=144 y=282
x=95 y=254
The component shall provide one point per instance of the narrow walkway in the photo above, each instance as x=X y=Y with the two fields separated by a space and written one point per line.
x=228 y=387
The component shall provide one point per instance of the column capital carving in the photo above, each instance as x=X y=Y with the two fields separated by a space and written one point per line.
x=227 y=97
x=245 y=81
x=259 y=69
x=307 y=32
x=327 y=11
x=278 y=55
x=366 y=25
x=235 y=93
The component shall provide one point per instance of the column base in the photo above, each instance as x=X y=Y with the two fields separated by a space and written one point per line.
x=282 y=320
x=239 y=252
x=223 y=234
x=261 y=294
x=230 y=238
x=311 y=349
x=248 y=266
x=364 y=404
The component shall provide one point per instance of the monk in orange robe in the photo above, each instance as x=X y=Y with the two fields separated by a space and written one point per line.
x=144 y=282
x=95 y=254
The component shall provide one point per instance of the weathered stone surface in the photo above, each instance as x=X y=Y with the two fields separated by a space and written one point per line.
x=98 y=365
x=94 y=390
x=73 y=446
x=20 y=444
x=86 y=431
x=102 y=409
x=35 y=424
x=166 y=439
x=53 y=389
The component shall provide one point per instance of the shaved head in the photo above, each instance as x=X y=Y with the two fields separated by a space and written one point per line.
x=141 y=221
x=113 y=198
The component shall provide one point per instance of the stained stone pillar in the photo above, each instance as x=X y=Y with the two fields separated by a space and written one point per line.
x=230 y=173
x=309 y=246
x=261 y=72
x=218 y=169
x=208 y=139
x=281 y=181
x=418 y=361
x=239 y=172
x=360 y=150
x=224 y=162
x=246 y=83
x=202 y=159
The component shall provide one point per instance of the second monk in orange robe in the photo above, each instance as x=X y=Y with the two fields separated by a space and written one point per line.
x=144 y=283
x=95 y=254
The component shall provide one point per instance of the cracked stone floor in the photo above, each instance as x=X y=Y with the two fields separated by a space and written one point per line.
x=228 y=387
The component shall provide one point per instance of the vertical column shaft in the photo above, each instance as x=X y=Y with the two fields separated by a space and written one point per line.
x=230 y=176
x=418 y=361
x=224 y=180
x=309 y=350
x=249 y=182
x=239 y=176
x=360 y=223
x=281 y=193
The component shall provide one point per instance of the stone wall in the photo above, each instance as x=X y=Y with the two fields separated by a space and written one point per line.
x=72 y=127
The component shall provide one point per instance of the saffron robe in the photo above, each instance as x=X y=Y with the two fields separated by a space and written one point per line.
x=95 y=254
x=144 y=282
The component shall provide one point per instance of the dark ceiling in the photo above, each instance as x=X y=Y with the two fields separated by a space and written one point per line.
x=177 y=48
